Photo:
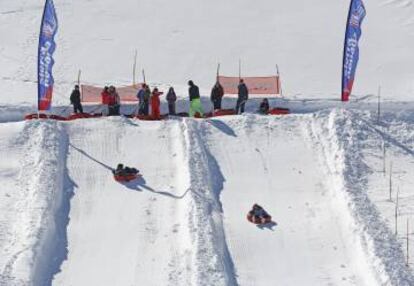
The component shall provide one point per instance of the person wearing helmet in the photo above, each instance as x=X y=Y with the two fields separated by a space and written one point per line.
x=195 y=102
x=75 y=100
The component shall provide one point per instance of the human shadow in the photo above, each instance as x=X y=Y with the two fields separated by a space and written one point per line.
x=90 y=157
x=269 y=225
x=140 y=184
x=223 y=127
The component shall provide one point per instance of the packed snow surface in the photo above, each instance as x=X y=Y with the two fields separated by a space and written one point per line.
x=336 y=178
x=181 y=40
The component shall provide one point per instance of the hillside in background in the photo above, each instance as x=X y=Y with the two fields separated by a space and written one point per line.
x=180 y=40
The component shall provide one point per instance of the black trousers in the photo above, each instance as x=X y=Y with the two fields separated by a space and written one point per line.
x=217 y=103
x=240 y=105
x=113 y=109
x=77 y=107
x=171 y=108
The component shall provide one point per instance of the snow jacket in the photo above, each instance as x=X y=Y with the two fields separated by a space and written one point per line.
x=75 y=97
x=155 y=104
x=217 y=92
x=147 y=95
x=171 y=96
x=105 y=97
x=243 y=91
x=141 y=95
x=193 y=92
x=264 y=107
x=113 y=98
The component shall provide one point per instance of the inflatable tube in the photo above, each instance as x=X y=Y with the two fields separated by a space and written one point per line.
x=44 y=116
x=126 y=178
x=83 y=115
x=221 y=112
x=150 y=117
x=279 y=111
x=257 y=219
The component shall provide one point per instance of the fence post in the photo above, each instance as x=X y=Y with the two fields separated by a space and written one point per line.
x=408 y=242
x=391 y=181
x=396 y=213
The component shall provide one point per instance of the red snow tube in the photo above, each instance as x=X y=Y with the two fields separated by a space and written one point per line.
x=150 y=117
x=126 y=178
x=258 y=219
x=279 y=111
x=44 y=116
x=223 y=112
x=84 y=115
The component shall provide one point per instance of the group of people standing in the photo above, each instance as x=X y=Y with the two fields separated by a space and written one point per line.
x=147 y=98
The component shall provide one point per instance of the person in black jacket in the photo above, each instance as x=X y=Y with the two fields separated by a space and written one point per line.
x=216 y=95
x=264 y=106
x=171 y=99
x=195 y=102
x=243 y=95
x=75 y=99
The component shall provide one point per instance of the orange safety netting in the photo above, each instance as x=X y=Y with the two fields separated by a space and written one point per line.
x=256 y=85
x=92 y=93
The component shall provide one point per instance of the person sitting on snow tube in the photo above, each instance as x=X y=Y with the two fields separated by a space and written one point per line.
x=264 y=106
x=258 y=215
x=124 y=171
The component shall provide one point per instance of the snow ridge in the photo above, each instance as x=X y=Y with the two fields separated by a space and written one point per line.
x=38 y=233
x=340 y=133
x=214 y=265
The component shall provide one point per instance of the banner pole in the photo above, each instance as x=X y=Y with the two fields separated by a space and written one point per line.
x=218 y=72
x=134 y=68
x=279 y=86
x=239 y=69
x=143 y=75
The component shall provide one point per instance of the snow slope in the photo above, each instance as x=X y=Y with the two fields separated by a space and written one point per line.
x=180 y=40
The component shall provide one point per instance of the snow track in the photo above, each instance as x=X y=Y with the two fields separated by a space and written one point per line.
x=341 y=135
x=184 y=222
x=33 y=232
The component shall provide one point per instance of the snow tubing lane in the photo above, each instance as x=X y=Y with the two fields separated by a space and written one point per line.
x=279 y=111
x=126 y=178
x=259 y=220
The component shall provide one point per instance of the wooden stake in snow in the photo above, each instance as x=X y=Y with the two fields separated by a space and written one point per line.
x=390 y=181
x=278 y=80
x=396 y=213
x=239 y=68
x=408 y=242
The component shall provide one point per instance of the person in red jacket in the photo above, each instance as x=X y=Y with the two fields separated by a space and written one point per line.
x=105 y=99
x=155 y=104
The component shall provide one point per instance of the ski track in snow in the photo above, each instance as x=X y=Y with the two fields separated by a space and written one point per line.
x=341 y=134
x=35 y=241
